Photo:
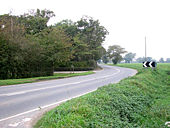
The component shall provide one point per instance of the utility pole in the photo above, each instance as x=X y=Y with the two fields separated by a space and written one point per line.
x=11 y=26
x=145 y=48
x=11 y=22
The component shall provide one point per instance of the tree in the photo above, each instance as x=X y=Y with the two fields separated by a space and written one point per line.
x=168 y=60
x=19 y=56
x=9 y=26
x=105 y=59
x=149 y=59
x=69 y=27
x=140 y=59
x=129 y=57
x=93 y=34
x=57 y=45
x=35 y=22
x=28 y=47
x=87 y=36
x=114 y=52
x=81 y=51
x=10 y=42
x=161 y=60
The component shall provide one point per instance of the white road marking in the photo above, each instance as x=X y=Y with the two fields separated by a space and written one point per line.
x=17 y=123
x=46 y=106
x=14 y=93
x=14 y=125
x=26 y=119
x=32 y=90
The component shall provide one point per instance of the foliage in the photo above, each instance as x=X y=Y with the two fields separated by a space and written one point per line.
x=93 y=34
x=129 y=57
x=139 y=101
x=35 y=22
x=19 y=56
x=142 y=59
x=30 y=48
x=56 y=44
x=75 y=65
x=114 y=52
x=87 y=36
x=161 y=60
x=69 y=27
x=168 y=60
x=149 y=59
x=105 y=59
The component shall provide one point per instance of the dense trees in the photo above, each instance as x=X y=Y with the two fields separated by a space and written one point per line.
x=93 y=34
x=87 y=36
x=20 y=56
x=36 y=21
x=28 y=47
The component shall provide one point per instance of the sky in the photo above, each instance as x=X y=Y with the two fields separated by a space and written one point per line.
x=128 y=21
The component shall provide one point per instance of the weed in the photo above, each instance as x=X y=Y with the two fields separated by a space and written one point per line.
x=139 y=101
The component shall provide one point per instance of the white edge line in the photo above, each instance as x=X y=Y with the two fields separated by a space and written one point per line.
x=46 y=106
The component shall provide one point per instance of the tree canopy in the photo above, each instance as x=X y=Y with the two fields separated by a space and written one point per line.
x=129 y=57
x=29 y=47
x=115 y=53
x=36 y=21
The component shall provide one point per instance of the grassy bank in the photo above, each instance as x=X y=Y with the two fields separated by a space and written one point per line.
x=35 y=79
x=140 y=101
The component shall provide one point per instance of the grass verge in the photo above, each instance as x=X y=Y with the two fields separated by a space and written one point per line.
x=35 y=79
x=139 y=101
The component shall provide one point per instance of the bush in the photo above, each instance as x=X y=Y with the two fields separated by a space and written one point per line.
x=21 y=58
x=74 y=65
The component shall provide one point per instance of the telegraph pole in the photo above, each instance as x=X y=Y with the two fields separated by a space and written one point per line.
x=11 y=22
x=145 y=48
x=11 y=26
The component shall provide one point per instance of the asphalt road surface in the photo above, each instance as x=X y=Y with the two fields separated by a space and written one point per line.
x=16 y=100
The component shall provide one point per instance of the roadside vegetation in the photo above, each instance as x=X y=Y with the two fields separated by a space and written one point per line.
x=31 y=48
x=138 y=101
x=36 y=79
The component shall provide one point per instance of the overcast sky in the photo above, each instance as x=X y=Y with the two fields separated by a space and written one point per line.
x=128 y=21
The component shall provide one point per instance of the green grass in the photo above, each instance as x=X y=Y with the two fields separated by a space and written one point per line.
x=141 y=101
x=35 y=79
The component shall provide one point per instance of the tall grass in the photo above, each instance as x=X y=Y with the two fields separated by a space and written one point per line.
x=139 y=101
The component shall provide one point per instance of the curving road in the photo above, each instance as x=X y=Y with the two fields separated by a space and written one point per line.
x=16 y=100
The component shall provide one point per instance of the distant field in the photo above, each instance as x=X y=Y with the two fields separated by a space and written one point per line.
x=35 y=79
x=140 y=101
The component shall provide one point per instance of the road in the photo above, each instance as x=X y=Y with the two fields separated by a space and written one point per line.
x=16 y=100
